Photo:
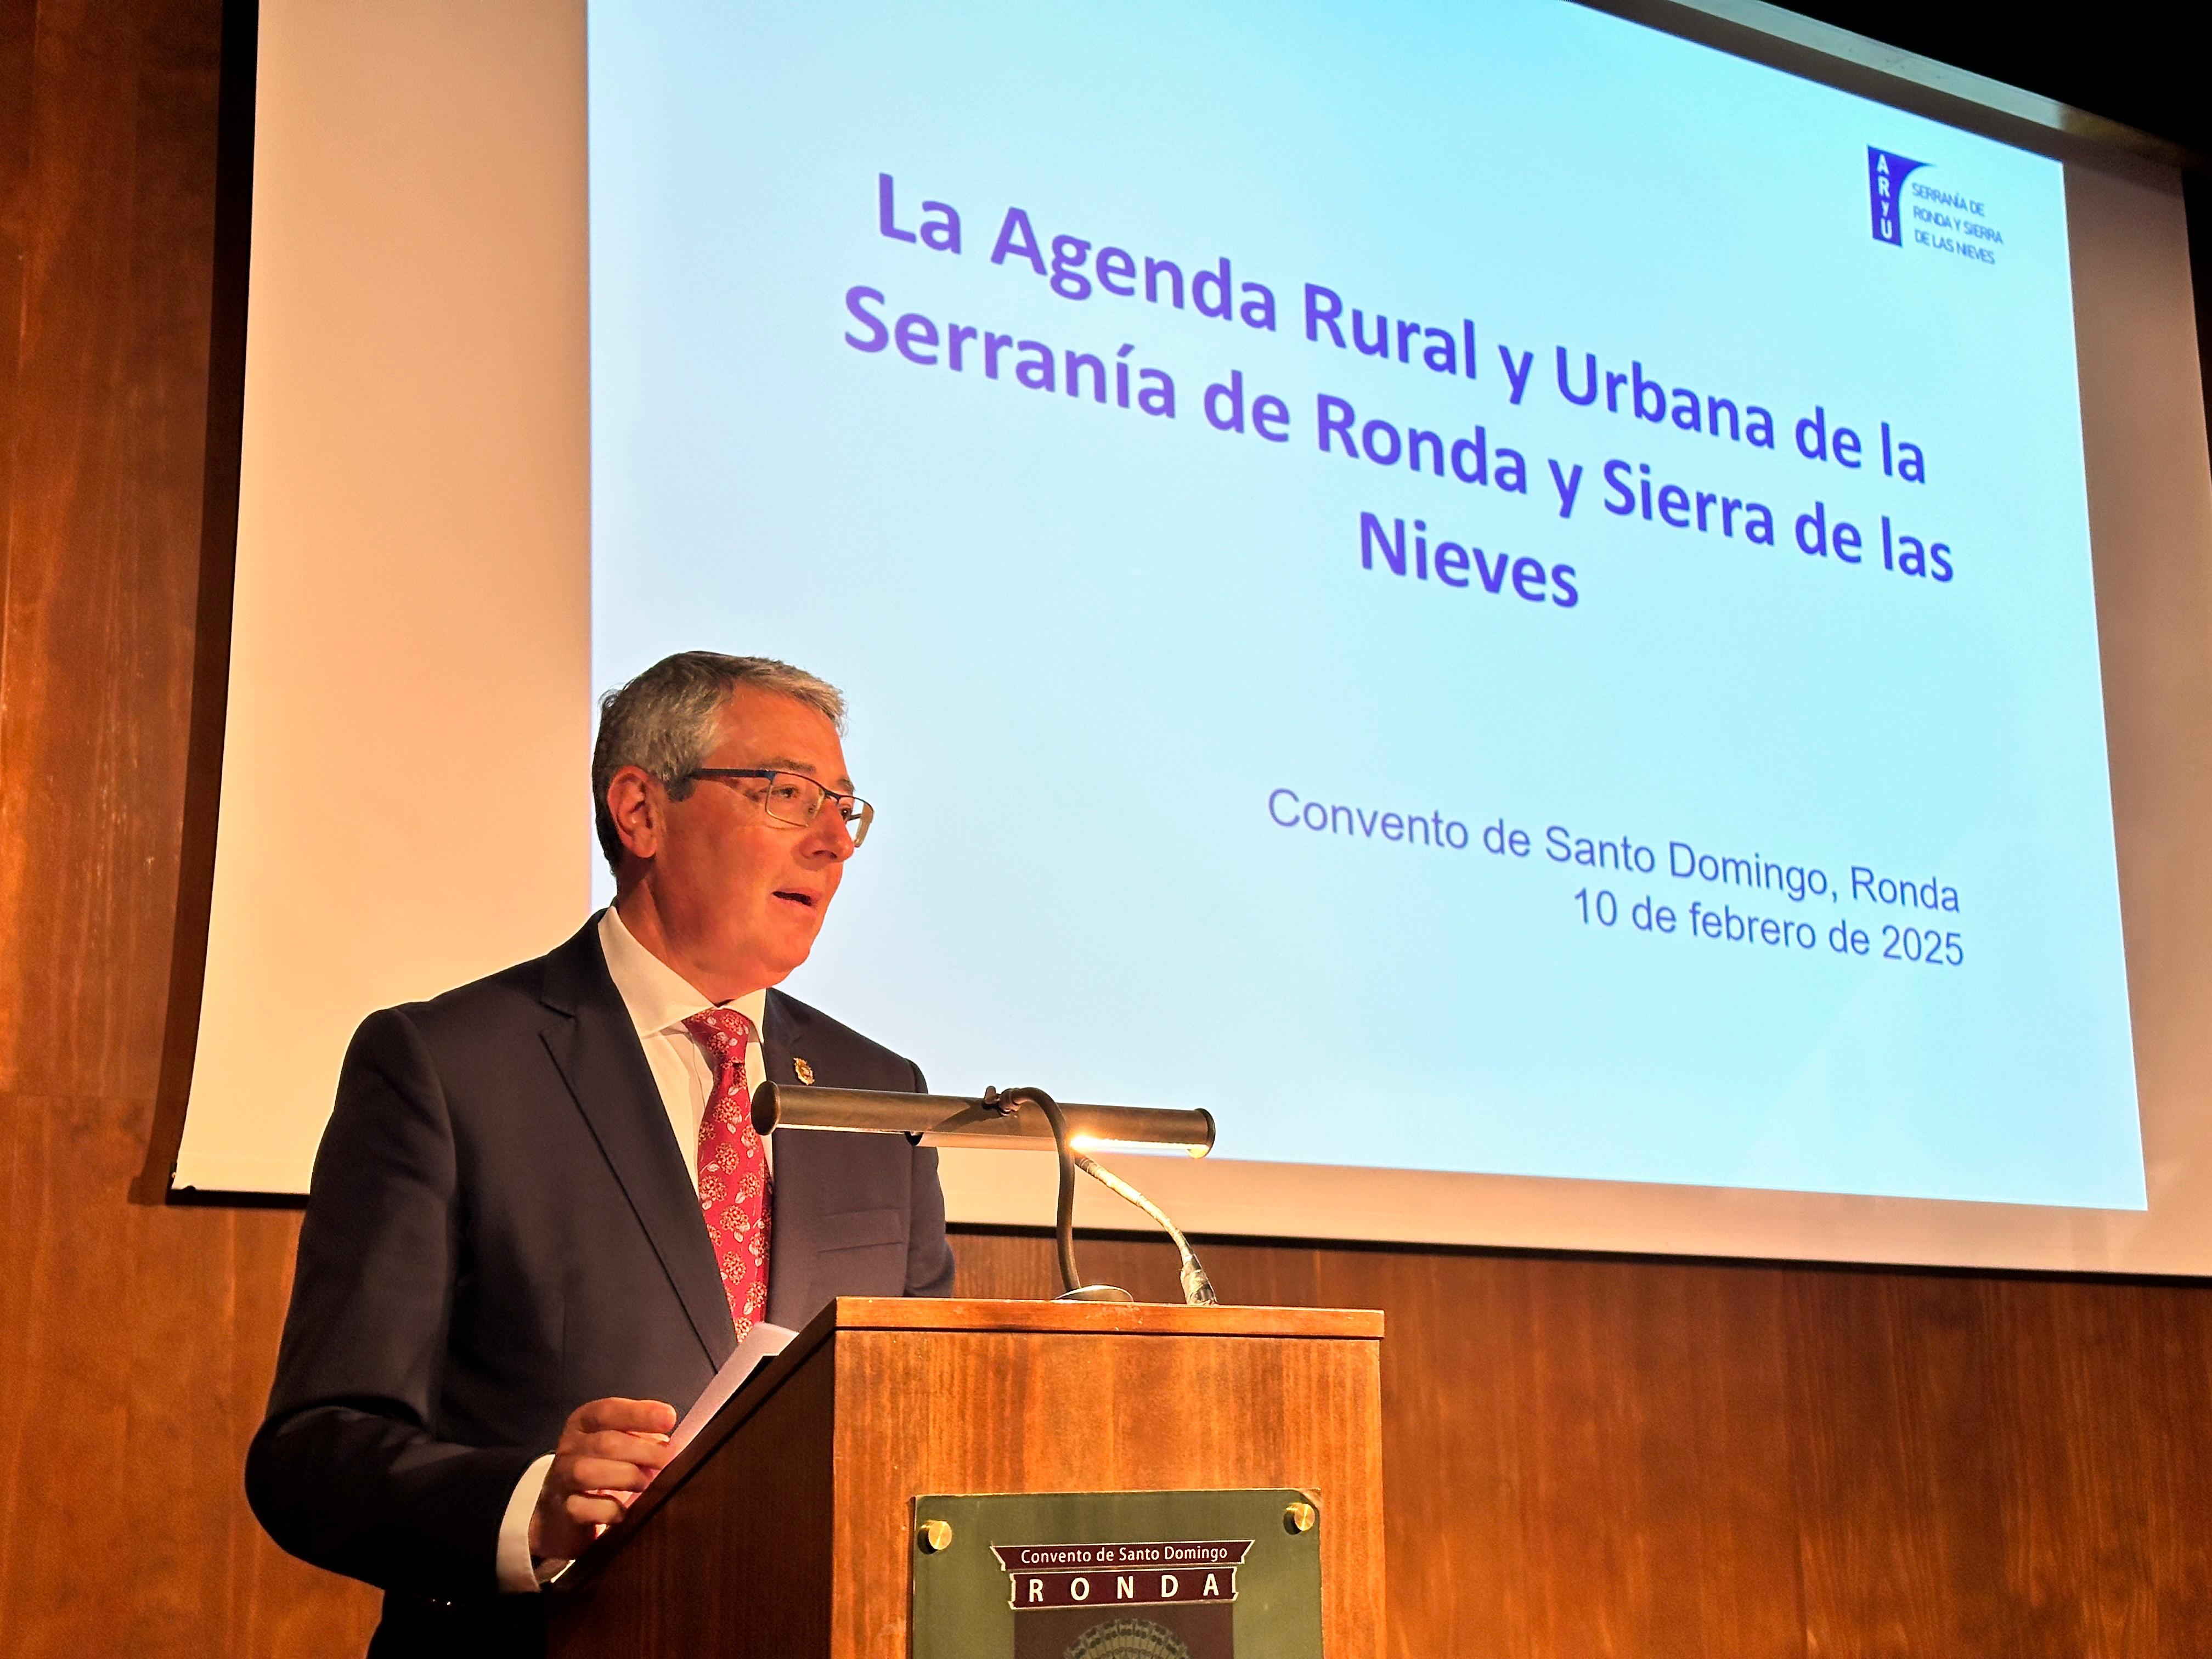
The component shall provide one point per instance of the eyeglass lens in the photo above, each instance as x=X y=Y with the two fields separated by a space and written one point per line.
x=795 y=800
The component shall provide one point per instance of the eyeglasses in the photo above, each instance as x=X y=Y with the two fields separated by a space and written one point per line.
x=794 y=799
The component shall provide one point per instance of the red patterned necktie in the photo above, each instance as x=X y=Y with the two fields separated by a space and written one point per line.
x=733 y=1176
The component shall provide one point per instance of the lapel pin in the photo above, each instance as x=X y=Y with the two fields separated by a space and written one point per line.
x=806 y=1072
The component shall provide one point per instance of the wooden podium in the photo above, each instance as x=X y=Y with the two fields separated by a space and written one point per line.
x=786 y=1529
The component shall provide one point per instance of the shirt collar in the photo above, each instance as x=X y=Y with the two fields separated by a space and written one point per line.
x=656 y=996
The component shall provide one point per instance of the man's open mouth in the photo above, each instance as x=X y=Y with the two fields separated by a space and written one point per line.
x=806 y=899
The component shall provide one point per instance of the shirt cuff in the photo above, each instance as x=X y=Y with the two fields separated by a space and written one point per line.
x=517 y=1575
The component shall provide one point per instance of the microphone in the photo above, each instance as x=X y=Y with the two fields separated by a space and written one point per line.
x=1197 y=1288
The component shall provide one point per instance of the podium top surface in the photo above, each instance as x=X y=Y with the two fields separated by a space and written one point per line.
x=892 y=1313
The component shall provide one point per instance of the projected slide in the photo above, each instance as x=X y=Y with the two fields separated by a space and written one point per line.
x=1470 y=587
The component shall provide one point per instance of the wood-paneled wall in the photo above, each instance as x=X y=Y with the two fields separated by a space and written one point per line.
x=1601 y=1456
x=1585 y=1456
x=135 y=1340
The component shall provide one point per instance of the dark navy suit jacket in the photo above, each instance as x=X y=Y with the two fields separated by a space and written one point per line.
x=500 y=1228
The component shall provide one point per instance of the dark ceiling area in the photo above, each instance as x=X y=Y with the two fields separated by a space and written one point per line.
x=2144 y=65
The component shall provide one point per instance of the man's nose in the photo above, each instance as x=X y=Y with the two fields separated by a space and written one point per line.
x=829 y=835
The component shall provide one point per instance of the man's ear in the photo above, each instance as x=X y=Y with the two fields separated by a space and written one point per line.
x=637 y=804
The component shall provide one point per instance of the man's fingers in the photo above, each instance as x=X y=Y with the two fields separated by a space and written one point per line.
x=587 y=1510
x=607 y=1474
x=626 y=1449
x=634 y=1416
x=609 y=1452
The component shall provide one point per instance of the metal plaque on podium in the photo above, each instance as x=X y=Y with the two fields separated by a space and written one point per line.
x=1118 y=1575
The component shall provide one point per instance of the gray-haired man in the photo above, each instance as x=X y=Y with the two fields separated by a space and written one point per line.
x=539 y=1220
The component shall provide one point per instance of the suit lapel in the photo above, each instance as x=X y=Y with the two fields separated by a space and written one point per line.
x=600 y=1058
x=798 y=1189
x=776 y=1037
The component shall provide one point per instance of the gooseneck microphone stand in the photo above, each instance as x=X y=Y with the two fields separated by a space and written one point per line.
x=1197 y=1288
x=1073 y=1289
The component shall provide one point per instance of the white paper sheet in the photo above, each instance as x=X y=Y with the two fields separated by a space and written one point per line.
x=758 y=1346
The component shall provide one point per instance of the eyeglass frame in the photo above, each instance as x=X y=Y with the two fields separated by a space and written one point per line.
x=866 y=814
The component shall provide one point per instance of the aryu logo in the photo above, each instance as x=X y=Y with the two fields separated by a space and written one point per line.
x=1886 y=175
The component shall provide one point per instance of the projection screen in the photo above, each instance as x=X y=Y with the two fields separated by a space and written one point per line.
x=1594 y=641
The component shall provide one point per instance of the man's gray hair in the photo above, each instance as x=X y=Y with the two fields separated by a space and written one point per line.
x=666 y=720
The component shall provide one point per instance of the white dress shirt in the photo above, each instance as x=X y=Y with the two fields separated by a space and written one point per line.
x=658 y=1000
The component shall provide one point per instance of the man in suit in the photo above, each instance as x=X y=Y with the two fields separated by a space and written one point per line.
x=540 y=1218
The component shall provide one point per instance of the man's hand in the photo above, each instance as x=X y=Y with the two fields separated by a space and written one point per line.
x=609 y=1451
